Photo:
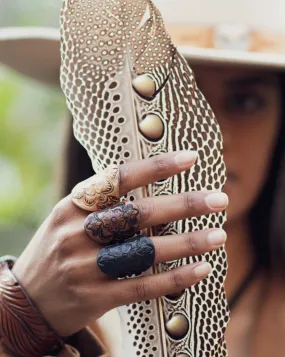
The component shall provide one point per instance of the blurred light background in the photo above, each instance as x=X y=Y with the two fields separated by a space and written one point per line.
x=30 y=120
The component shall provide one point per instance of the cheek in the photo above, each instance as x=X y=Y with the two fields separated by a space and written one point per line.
x=248 y=155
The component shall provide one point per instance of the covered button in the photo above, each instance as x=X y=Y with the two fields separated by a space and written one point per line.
x=177 y=327
x=152 y=127
x=144 y=85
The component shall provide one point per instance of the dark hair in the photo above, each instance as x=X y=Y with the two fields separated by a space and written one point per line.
x=76 y=163
x=267 y=218
x=268 y=214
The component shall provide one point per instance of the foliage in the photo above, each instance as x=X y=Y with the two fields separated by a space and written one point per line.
x=29 y=13
x=30 y=138
x=29 y=143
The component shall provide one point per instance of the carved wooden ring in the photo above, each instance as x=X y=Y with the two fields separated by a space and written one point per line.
x=99 y=191
x=113 y=225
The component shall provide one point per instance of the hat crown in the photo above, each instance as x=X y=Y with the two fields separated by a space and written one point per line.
x=256 y=14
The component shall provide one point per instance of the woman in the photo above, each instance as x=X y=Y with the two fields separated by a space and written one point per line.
x=246 y=92
x=75 y=291
x=248 y=104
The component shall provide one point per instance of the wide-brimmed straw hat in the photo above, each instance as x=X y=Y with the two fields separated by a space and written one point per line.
x=234 y=32
x=240 y=32
x=32 y=51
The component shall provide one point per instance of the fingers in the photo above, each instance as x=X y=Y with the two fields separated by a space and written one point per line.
x=165 y=209
x=135 y=256
x=143 y=172
x=139 y=254
x=178 y=246
x=104 y=189
x=157 y=285
x=122 y=222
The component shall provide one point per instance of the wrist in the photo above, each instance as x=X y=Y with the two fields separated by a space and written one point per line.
x=22 y=329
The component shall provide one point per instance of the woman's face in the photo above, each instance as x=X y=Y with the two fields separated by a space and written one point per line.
x=247 y=104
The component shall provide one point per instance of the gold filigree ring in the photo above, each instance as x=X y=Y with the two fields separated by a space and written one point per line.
x=99 y=191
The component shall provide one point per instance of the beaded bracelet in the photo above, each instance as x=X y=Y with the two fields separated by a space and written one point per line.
x=23 y=330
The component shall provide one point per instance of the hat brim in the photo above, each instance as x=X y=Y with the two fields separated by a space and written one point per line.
x=234 y=58
x=35 y=52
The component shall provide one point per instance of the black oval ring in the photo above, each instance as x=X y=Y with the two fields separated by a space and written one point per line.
x=133 y=257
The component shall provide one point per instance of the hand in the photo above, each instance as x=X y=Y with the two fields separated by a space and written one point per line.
x=58 y=269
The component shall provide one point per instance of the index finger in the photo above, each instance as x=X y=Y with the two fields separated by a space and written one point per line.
x=105 y=189
x=143 y=172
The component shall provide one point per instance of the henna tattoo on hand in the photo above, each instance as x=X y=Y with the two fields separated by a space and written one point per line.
x=113 y=225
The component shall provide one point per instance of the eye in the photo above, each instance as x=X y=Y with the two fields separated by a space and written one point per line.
x=245 y=103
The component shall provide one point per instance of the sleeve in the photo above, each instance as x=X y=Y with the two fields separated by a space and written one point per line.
x=84 y=344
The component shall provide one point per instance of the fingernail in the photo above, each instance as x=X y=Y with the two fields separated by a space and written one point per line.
x=217 y=200
x=202 y=270
x=217 y=237
x=186 y=158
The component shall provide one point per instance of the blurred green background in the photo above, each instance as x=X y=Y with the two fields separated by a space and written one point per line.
x=31 y=117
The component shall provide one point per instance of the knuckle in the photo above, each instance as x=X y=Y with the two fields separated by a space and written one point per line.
x=59 y=212
x=191 y=242
x=177 y=280
x=140 y=291
x=125 y=175
x=190 y=202
x=57 y=217
x=159 y=164
x=146 y=210
x=158 y=247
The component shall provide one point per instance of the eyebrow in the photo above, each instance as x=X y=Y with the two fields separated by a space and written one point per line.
x=250 y=81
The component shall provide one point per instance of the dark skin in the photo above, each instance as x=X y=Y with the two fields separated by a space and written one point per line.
x=62 y=253
x=247 y=104
x=246 y=178
x=75 y=292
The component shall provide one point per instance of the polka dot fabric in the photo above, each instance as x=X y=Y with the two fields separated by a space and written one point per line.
x=105 y=45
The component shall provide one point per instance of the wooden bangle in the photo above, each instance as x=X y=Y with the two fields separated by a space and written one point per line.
x=23 y=330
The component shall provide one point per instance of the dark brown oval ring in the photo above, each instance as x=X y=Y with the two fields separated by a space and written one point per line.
x=113 y=225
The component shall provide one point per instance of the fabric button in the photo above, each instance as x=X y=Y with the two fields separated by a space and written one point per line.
x=144 y=85
x=177 y=327
x=152 y=127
